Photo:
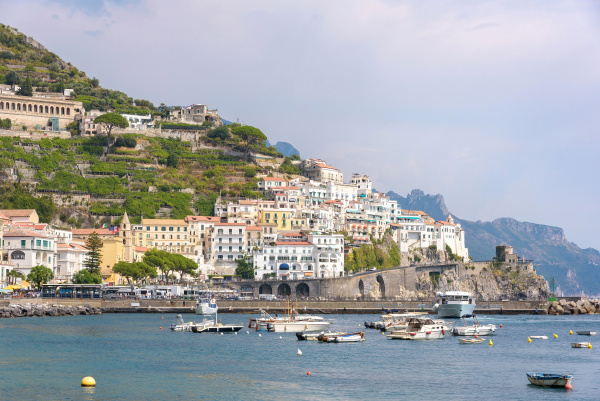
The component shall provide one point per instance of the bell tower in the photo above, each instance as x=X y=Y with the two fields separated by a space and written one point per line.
x=126 y=234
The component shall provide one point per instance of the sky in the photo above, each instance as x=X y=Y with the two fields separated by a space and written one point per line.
x=493 y=104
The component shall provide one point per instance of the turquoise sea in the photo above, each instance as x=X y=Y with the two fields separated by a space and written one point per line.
x=132 y=359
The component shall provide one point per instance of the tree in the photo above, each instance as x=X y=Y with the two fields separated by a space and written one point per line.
x=94 y=82
x=164 y=110
x=94 y=258
x=86 y=277
x=13 y=275
x=40 y=275
x=73 y=128
x=109 y=121
x=29 y=67
x=26 y=88
x=221 y=132
x=168 y=263
x=12 y=78
x=244 y=269
x=124 y=269
x=249 y=135
x=173 y=160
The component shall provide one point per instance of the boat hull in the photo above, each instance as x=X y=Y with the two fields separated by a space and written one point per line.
x=230 y=328
x=586 y=333
x=486 y=330
x=470 y=340
x=455 y=310
x=295 y=327
x=580 y=345
x=419 y=335
x=549 y=379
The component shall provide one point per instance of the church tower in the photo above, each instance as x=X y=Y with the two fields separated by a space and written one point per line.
x=126 y=233
x=450 y=219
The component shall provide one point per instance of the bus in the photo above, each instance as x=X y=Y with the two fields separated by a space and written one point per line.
x=71 y=290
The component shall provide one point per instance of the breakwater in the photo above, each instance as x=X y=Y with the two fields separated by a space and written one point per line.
x=40 y=310
x=254 y=306
x=579 y=307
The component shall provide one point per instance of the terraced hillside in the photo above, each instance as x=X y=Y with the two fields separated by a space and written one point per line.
x=153 y=177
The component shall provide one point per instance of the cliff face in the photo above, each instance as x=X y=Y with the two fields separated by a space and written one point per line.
x=576 y=270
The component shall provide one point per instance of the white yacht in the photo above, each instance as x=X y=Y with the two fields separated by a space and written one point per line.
x=206 y=307
x=473 y=329
x=420 y=328
x=454 y=304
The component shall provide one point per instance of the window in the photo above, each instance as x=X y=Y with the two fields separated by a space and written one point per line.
x=37 y=242
x=18 y=255
x=170 y=228
x=23 y=243
x=163 y=229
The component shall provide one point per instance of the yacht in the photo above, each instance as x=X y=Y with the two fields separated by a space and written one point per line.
x=420 y=328
x=474 y=329
x=454 y=304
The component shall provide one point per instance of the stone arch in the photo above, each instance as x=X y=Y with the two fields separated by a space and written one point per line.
x=265 y=289
x=13 y=106
x=68 y=111
x=1 y=105
x=35 y=108
x=29 y=107
x=19 y=255
x=361 y=288
x=62 y=111
x=284 y=290
x=18 y=106
x=46 y=109
x=246 y=290
x=7 y=106
x=302 y=290
x=381 y=286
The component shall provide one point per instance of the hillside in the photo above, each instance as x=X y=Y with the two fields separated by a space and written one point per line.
x=575 y=270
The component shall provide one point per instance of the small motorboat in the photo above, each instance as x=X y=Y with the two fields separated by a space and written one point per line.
x=538 y=337
x=342 y=337
x=581 y=345
x=303 y=336
x=420 y=328
x=549 y=379
x=586 y=333
x=470 y=340
x=181 y=326
x=475 y=329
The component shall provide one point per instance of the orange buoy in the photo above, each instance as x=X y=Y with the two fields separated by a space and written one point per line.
x=161 y=328
x=500 y=324
x=162 y=317
x=568 y=386
x=308 y=373
x=476 y=336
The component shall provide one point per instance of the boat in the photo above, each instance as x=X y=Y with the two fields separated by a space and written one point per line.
x=586 y=333
x=290 y=323
x=470 y=340
x=181 y=326
x=538 y=337
x=475 y=329
x=213 y=326
x=396 y=321
x=581 y=345
x=206 y=307
x=315 y=336
x=420 y=328
x=454 y=304
x=342 y=337
x=549 y=379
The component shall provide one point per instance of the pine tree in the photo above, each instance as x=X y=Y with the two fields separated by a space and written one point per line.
x=94 y=258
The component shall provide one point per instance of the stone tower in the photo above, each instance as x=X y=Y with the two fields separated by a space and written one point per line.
x=450 y=219
x=127 y=236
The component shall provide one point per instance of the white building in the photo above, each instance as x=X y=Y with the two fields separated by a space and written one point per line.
x=69 y=260
x=285 y=260
x=27 y=249
x=362 y=182
x=329 y=252
x=227 y=244
x=139 y=122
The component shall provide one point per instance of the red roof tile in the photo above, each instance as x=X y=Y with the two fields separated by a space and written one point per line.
x=293 y=243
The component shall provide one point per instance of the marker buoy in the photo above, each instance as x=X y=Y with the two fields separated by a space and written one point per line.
x=280 y=337
x=500 y=324
x=299 y=352
x=235 y=333
x=476 y=336
x=221 y=333
x=259 y=335
x=491 y=343
x=528 y=339
x=555 y=336
x=88 y=381
x=589 y=346
x=162 y=317
x=382 y=333
x=571 y=332
x=568 y=386
x=160 y=328
x=308 y=374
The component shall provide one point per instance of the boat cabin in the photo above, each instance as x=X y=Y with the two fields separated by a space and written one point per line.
x=455 y=297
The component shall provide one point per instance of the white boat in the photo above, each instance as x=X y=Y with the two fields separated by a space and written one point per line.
x=538 y=337
x=181 y=326
x=397 y=321
x=206 y=307
x=586 y=333
x=290 y=323
x=470 y=340
x=315 y=336
x=454 y=304
x=342 y=338
x=474 y=329
x=549 y=379
x=581 y=345
x=420 y=328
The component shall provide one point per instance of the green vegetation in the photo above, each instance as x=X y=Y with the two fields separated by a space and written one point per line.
x=244 y=269
x=169 y=263
x=368 y=256
x=94 y=258
x=451 y=254
x=134 y=272
x=40 y=275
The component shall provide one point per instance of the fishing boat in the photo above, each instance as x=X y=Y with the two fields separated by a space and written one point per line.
x=214 y=326
x=474 y=329
x=454 y=304
x=538 y=337
x=420 y=328
x=315 y=336
x=206 y=307
x=342 y=337
x=181 y=326
x=549 y=379
x=581 y=345
x=586 y=333
x=470 y=340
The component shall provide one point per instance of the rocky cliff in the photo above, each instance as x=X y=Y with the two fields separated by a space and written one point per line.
x=575 y=270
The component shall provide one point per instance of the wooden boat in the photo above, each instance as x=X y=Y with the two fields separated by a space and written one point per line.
x=581 y=345
x=302 y=336
x=470 y=340
x=342 y=338
x=538 y=337
x=549 y=379
x=586 y=333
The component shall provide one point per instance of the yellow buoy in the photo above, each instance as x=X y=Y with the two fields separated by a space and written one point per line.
x=491 y=343
x=382 y=333
x=555 y=336
x=571 y=332
x=528 y=339
x=589 y=346
x=359 y=325
x=88 y=381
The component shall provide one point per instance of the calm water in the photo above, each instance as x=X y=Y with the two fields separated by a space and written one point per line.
x=131 y=359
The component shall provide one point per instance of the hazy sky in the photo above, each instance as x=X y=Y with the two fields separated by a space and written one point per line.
x=494 y=104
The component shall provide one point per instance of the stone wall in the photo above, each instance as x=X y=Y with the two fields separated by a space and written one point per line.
x=33 y=135
x=32 y=111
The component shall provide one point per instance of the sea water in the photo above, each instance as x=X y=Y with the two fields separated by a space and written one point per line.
x=131 y=358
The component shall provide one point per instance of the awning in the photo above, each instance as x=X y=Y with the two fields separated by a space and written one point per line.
x=5 y=291
x=284 y=266
x=308 y=274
